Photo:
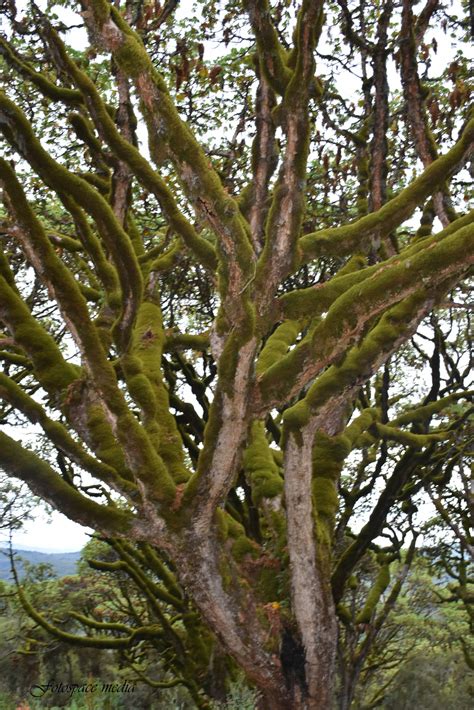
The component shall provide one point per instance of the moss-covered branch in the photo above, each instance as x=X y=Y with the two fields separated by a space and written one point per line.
x=380 y=585
x=51 y=369
x=130 y=154
x=259 y=464
x=142 y=368
x=199 y=179
x=348 y=314
x=110 y=642
x=317 y=299
x=58 y=434
x=19 y=133
x=47 y=88
x=342 y=240
x=46 y=483
x=273 y=57
x=285 y=216
x=328 y=456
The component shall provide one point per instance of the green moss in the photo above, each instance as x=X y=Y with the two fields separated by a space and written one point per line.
x=101 y=10
x=353 y=264
x=329 y=453
x=47 y=88
x=352 y=582
x=142 y=368
x=222 y=524
x=234 y=528
x=242 y=547
x=326 y=499
x=103 y=441
x=344 y=614
x=343 y=240
x=132 y=57
x=268 y=585
x=407 y=438
x=142 y=392
x=6 y=272
x=423 y=413
x=52 y=371
x=211 y=432
x=62 y=180
x=357 y=361
x=277 y=345
x=229 y=359
x=186 y=341
x=260 y=467
x=297 y=416
x=328 y=456
x=381 y=584
x=360 y=424
x=43 y=481
x=169 y=259
x=85 y=131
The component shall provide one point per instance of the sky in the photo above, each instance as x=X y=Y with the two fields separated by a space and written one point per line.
x=51 y=533
x=54 y=532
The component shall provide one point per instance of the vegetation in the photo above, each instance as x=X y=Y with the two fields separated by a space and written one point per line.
x=62 y=563
x=234 y=320
x=417 y=657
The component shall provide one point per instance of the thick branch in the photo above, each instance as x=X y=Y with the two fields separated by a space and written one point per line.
x=352 y=237
x=346 y=317
x=47 y=484
x=20 y=135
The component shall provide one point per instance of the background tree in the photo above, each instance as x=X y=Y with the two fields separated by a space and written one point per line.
x=210 y=329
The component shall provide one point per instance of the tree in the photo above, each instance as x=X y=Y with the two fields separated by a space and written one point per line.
x=32 y=658
x=211 y=335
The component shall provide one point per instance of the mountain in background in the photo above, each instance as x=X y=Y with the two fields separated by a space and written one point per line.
x=63 y=563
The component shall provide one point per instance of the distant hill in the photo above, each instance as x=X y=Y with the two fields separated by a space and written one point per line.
x=63 y=563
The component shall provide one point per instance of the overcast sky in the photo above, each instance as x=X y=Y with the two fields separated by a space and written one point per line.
x=54 y=533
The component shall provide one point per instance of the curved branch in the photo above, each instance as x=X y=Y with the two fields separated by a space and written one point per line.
x=342 y=240
x=46 y=483
x=19 y=133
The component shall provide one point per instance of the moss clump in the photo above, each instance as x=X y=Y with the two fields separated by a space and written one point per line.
x=381 y=584
x=211 y=432
x=260 y=467
x=357 y=262
x=268 y=584
x=101 y=10
x=356 y=429
x=52 y=371
x=242 y=547
x=222 y=524
x=329 y=453
x=142 y=369
x=297 y=416
x=229 y=359
x=277 y=345
x=103 y=441
x=142 y=392
x=426 y=223
x=326 y=498
x=353 y=582
x=132 y=57
x=234 y=528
